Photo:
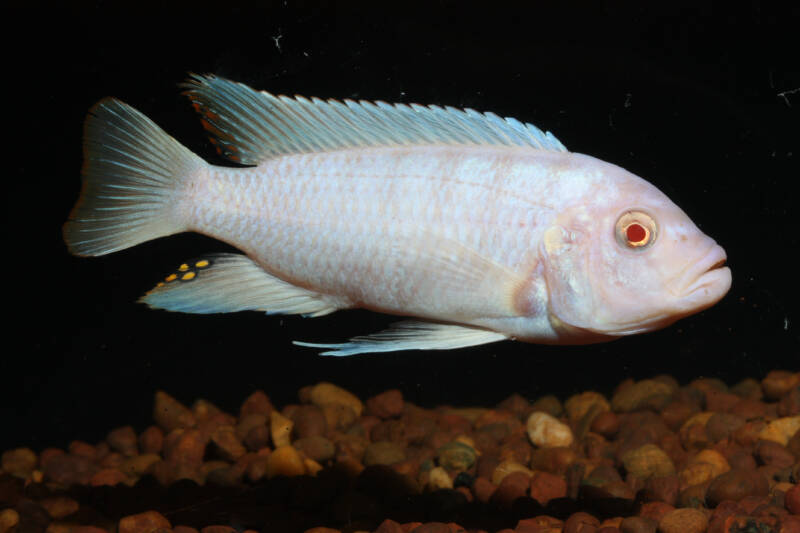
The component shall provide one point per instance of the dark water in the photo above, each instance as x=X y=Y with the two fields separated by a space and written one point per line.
x=697 y=100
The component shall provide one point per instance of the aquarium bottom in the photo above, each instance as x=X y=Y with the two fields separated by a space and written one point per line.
x=654 y=456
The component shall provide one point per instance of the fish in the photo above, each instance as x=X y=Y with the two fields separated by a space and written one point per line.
x=474 y=227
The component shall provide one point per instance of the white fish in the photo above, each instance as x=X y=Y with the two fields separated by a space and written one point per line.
x=482 y=228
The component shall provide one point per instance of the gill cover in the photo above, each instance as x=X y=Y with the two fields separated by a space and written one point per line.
x=571 y=297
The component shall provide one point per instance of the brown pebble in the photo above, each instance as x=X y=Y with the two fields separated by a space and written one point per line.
x=589 y=403
x=388 y=404
x=792 y=500
x=548 y=404
x=648 y=461
x=662 y=488
x=151 y=440
x=389 y=526
x=432 y=527
x=516 y=448
x=123 y=440
x=508 y=467
x=257 y=468
x=210 y=424
x=647 y=393
x=606 y=424
x=735 y=485
x=772 y=453
x=227 y=443
x=339 y=416
x=747 y=435
x=483 y=489
x=139 y=465
x=9 y=518
x=638 y=524
x=514 y=485
x=553 y=460
x=170 y=414
x=143 y=522
x=748 y=388
x=185 y=446
x=90 y=529
x=256 y=403
x=517 y=405
x=19 y=462
x=693 y=432
x=317 y=448
x=184 y=529
x=82 y=449
x=722 y=425
x=540 y=524
x=545 y=486
x=257 y=438
x=108 y=476
x=384 y=453
x=655 y=510
x=325 y=394
x=247 y=422
x=675 y=413
x=219 y=529
x=618 y=489
x=720 y=402
x=790 y=524
x=168 y=472
x=693 y=496
x=777 y=383
x=285 y=461
x=683 y=521
x=608 y=529
x=113 y=460
x=59 y=506
x=309 y=421
x=66 y=469
x=790 y=403
x=581 y=523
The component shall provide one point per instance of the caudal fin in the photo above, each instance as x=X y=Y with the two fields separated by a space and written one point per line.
x=132 y=177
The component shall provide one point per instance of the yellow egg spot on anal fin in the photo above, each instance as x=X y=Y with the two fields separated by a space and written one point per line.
x=171 y=277
x=188 y=276
x=184 y=267
x=202 y=263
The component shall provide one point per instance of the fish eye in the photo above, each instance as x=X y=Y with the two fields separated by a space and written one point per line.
x=636 y=230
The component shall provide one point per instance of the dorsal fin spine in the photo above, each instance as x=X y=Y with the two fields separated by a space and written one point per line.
x=253 y=126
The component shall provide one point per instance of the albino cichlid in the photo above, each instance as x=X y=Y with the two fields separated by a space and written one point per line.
x=479 y=227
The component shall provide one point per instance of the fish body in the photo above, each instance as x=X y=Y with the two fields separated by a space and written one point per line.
x=479 y=227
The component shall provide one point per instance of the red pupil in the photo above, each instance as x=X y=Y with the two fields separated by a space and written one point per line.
x=636 y=233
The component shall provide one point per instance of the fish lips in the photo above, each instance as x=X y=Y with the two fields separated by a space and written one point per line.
x=707 y=281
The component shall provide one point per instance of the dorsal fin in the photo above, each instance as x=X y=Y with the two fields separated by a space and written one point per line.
x=249 y=127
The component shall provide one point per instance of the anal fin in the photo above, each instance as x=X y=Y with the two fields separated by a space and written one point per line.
x=226 y=283
x=412 y=335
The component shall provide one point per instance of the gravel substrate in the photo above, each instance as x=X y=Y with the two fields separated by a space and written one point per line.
x=656 y=456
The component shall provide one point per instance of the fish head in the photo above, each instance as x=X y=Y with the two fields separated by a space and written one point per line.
x=628 y=260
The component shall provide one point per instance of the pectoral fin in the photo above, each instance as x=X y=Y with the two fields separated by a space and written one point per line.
x=226 y=283
x=411 y=335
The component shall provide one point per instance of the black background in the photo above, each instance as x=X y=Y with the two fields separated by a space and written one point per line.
x=697 y=99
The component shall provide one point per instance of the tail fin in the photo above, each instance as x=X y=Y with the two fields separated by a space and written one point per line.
x=132 y=176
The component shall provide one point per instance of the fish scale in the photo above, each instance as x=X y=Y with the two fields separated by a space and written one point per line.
x=336 y=257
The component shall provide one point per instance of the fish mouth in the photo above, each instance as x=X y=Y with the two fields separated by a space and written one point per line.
x=709 y=280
